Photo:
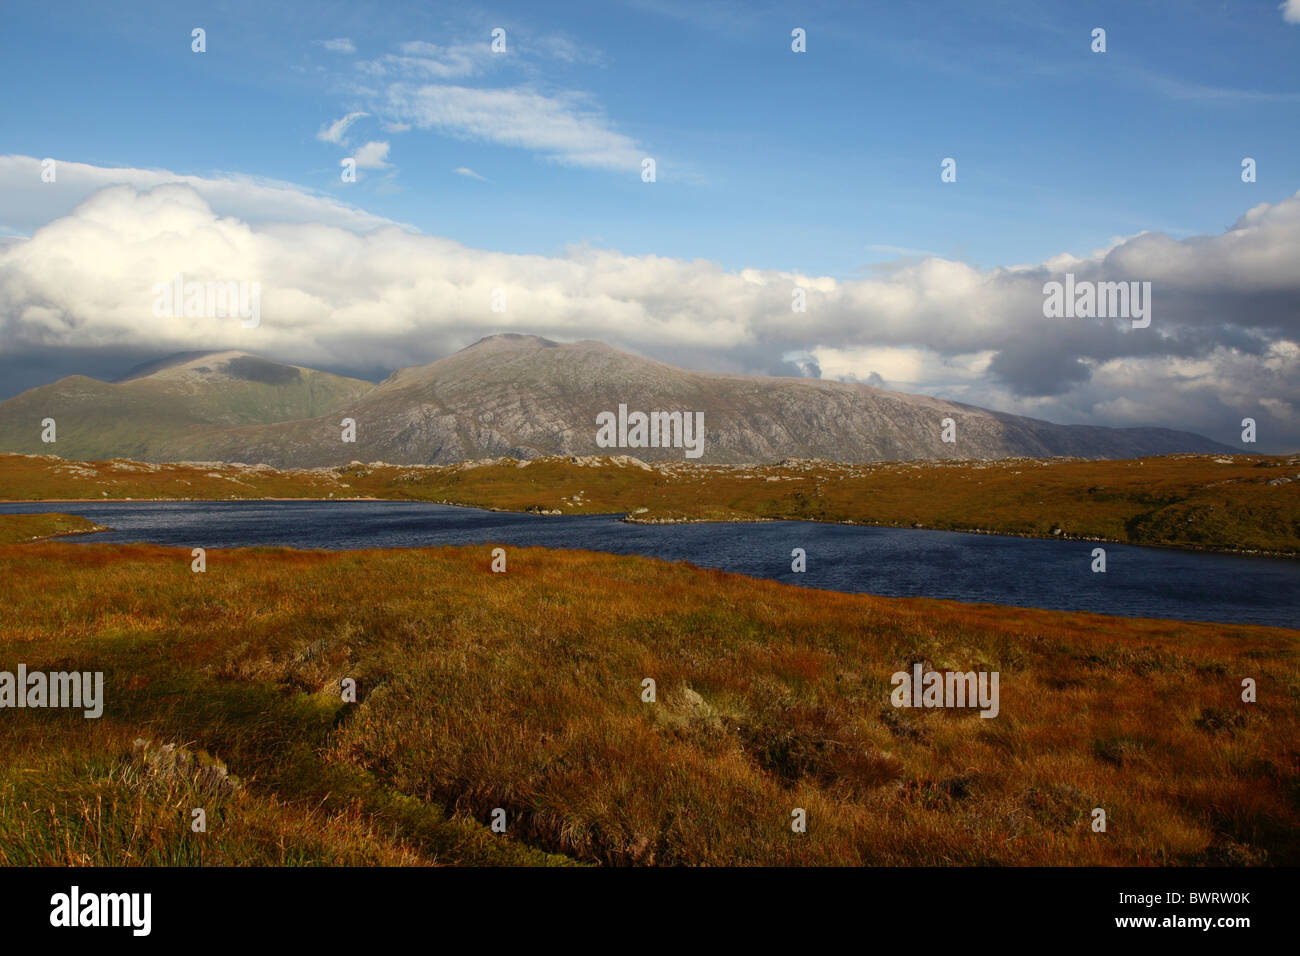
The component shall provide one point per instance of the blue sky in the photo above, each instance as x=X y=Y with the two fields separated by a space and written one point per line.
x=776 y=171
x=824 y=162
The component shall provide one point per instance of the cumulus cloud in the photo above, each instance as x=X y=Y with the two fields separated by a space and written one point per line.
x=27 y=203
x=1222 y=343
x=1290 y=11
x=339 y=45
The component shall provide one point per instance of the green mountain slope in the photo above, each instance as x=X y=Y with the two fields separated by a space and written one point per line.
x=190 y=394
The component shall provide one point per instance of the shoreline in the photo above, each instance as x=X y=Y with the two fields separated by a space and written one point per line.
x=98 y=529
x=632 y=517
x=954 y=602
x=1240 y=552
x=55 y=501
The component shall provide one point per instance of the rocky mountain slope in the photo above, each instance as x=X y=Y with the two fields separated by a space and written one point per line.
x=524 y=397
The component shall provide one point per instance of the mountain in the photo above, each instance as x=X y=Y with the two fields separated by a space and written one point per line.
x=180 y=395
x=523 y=397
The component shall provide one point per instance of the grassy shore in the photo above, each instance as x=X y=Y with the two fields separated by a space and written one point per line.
x=523 y=690
x=1240 y=502
x=18 y=528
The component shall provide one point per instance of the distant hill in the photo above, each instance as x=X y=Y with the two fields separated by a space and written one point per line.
x=524 y=397
x=181 y=395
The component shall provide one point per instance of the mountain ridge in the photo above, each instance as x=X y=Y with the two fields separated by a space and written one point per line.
x=522 y=396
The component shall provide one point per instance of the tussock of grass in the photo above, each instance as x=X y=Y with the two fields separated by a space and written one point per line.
x=523 y=691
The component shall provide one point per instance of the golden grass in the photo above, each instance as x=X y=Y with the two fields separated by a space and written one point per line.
x=523 y=691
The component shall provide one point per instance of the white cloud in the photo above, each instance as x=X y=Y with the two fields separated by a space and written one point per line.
x=340 y=45
x=1221 y=345
x=562 y=49
x=422 y=60
x=335 y=132
x=372 y=156
x=409 y=89
x=1290 y=11
x=566 y=127
x=905 y=368
x=425 y=61
x=29 y=203
x=466 y=171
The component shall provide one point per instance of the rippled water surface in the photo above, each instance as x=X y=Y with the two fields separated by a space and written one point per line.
x=1139 y=582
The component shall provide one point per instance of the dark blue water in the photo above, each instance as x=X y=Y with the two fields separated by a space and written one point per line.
x=904 y=562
